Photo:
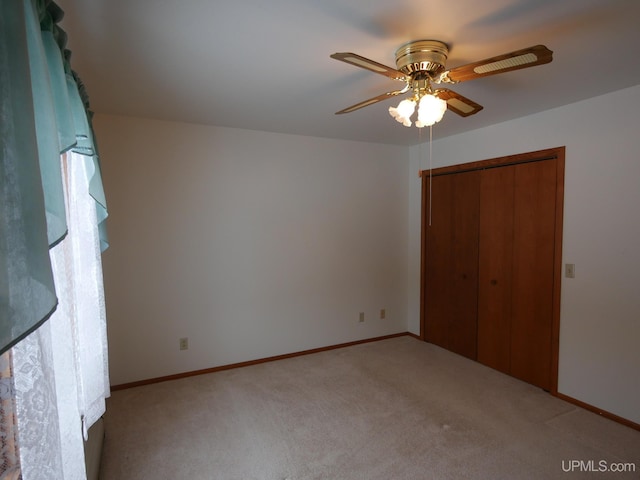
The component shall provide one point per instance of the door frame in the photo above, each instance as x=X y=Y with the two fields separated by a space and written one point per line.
x=557 y=153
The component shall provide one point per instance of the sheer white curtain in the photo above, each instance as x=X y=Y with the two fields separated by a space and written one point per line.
x=60 y=371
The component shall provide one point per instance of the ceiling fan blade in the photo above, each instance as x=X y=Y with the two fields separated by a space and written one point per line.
x=373 y=100
x=457 y=103
x=525 y=58
x=370 y=65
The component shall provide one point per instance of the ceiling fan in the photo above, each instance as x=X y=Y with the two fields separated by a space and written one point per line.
x=421 y=63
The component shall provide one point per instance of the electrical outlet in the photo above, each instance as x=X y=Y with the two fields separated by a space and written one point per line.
x=184 y=343
x=361 y=319
x=383 y=314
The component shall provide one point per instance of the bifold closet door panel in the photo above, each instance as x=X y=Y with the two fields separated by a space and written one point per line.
x=451 y=280
x=464 y=328
x=494 y=267
x=533 y=272
x=438 y=259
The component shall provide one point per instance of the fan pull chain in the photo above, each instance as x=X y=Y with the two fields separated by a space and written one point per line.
x=430 y=169
x=420 y=153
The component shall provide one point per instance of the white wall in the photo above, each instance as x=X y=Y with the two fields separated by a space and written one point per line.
x=600 y=308
x=250 y=244
x=254 y=244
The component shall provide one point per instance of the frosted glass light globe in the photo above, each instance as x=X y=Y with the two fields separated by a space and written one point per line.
x=430 y=110
x=402 y=113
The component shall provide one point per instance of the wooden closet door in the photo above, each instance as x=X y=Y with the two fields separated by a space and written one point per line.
x=494 y=267
x=533 y=272
x=516 y=262
x=495 y=245
x=451 y=268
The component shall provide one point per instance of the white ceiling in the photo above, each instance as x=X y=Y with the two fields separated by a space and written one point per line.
x=264 y=65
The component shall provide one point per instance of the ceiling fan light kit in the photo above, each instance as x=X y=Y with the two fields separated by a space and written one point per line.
x=422 y=62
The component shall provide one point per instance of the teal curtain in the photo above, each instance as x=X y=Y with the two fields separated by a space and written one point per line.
x=27 y=294
x=44 y=112
x=85 y=145
x=46 y=128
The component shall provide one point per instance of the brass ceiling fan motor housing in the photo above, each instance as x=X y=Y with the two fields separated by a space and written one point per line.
x=429 y=56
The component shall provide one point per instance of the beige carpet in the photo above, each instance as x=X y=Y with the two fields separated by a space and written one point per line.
x=389 y=410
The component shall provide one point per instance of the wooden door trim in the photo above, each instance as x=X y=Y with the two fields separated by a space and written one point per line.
x=557 y=270
x=537 y=156
x=557 y=153
x=423 y=255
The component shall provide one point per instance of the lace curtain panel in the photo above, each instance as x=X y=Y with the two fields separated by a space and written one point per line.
x=60 y=371
x=10 y=464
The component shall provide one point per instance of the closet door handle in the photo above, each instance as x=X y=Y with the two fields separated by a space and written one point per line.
x=494 y=281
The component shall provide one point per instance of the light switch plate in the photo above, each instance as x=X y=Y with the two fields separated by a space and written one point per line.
x=570 y=270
